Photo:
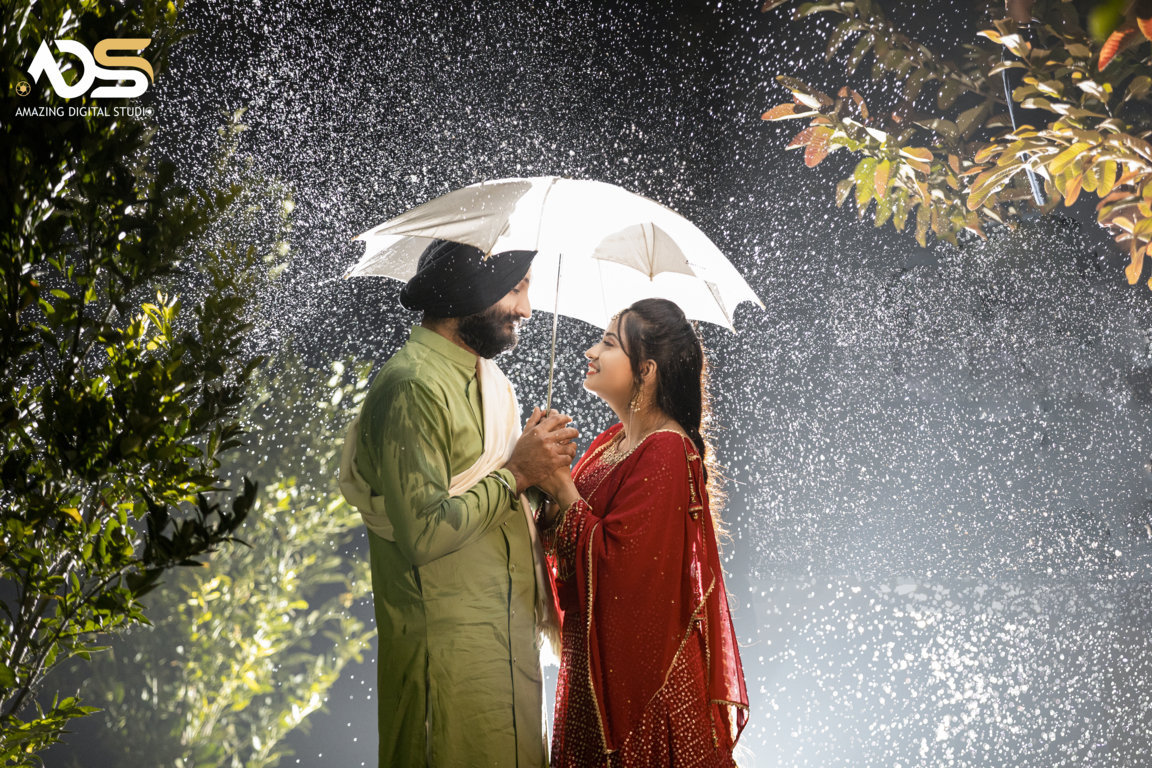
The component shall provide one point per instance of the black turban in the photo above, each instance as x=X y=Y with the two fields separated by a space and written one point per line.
x=455 y=280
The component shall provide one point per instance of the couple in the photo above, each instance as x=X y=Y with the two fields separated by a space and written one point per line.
x=461 y=505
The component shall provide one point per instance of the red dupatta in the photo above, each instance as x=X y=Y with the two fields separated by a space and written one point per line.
x=648 y=573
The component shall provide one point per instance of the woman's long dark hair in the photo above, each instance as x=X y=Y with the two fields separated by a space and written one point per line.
x=657 y=330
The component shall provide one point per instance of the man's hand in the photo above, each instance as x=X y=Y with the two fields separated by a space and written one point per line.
x=545 y=447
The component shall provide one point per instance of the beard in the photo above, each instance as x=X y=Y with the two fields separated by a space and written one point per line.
x=487 y=332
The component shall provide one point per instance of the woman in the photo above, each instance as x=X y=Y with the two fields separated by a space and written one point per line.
x=649 y=673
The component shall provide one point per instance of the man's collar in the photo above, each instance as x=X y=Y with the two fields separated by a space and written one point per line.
x=454 y=352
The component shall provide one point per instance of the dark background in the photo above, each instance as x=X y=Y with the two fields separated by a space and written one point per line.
x=938 y=458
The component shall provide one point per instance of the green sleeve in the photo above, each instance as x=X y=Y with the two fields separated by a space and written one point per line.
x=406 y=436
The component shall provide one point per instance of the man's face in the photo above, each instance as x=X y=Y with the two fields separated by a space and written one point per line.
x=494 y=330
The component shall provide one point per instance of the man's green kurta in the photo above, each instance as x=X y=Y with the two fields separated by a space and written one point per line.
x=459 y=675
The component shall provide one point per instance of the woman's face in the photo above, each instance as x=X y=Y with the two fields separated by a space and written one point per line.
x=609 y=373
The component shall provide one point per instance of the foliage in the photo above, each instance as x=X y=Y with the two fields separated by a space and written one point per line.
x=240 y=654
x=954 y=162
x=116 y=408
x=243 y=653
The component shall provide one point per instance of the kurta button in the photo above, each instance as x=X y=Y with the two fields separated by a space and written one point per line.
x=512 y=567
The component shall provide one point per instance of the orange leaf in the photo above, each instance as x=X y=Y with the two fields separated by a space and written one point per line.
x=1072 y=189
x=972 y=224
x=818 y=147
x=801 y=139
x=785 y=112
x=1145 y=27
x=917 y=153
x=1136 y=267
x=1115 y=43
x=880 y=178
x=922 y=167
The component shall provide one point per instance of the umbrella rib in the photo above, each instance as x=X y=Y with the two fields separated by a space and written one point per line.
x=603 y=294
x=543 y=203
x=650 y=248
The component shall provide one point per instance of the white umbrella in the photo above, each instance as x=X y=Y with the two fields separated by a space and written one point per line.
x=599 y=248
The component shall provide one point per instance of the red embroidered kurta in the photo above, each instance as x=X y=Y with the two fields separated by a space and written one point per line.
x=650 y=672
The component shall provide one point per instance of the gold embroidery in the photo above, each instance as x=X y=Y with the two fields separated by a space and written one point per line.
x=588 y=642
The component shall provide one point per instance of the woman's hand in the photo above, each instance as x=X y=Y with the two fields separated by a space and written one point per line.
x=560 y=487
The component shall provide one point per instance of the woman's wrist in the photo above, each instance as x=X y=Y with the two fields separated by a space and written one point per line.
x=566 y=497
x=557 y=505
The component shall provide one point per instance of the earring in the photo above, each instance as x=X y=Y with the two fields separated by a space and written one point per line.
x=638 y=401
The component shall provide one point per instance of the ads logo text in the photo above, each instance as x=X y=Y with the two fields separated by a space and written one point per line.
x=98 y=64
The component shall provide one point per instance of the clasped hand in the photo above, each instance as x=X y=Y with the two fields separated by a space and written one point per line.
x=543 y=455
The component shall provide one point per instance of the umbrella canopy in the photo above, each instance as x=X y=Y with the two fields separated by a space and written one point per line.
x=600 y=247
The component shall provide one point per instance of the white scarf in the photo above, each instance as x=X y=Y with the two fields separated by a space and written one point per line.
x=501 y=431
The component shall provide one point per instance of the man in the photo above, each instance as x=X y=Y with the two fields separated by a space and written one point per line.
x=436 y=464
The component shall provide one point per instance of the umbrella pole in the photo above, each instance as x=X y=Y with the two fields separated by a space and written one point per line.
x=555 y=318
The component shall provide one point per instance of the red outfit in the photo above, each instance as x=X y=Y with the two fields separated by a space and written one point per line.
x=649 y=669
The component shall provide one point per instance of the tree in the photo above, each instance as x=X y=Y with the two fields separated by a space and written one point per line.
x=241 y=653
x=116 y=407
x=964 y=158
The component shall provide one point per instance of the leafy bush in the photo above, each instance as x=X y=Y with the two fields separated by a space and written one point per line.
x=241 y=653
x=955 y=162
x=116 y=406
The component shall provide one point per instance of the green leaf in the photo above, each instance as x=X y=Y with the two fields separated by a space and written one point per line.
x=923 y=222
x=1107 y=177
x=1139 y=86
x=950 y=89
x=858 y=52
x=864 y=177
x=970 y=119
x=1061 y=161
x=843 y=189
